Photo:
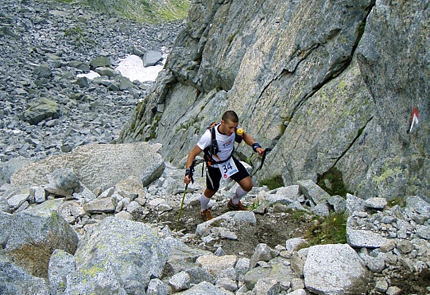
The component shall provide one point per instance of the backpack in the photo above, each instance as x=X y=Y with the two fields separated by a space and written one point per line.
x=212 y=149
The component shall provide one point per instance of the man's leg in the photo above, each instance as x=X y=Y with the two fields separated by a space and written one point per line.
x=245 y=185
x=205 y=198
x=213 y=176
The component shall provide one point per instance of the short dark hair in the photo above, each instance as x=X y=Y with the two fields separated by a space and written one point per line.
x=230 y=116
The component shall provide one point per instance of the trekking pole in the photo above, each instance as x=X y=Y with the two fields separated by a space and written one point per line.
x=183 y=196
x=180 y=209
x=266 y=151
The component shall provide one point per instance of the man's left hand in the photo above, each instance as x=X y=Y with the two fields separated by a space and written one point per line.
x=260 y=151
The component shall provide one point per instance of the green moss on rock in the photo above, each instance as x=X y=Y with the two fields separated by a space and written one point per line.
x=332 y=182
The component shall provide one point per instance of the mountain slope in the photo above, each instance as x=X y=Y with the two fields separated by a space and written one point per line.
x=329 y=85
x=144 y=10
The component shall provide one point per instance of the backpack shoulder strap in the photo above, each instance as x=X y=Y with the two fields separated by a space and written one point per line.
x=212 y=149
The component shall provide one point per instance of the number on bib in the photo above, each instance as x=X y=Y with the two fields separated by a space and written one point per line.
x=228 y=168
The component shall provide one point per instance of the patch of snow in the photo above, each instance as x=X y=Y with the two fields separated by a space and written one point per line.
x=91 y=75
x=132 y=68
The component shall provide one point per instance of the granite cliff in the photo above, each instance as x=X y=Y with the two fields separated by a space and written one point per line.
x=328 y=85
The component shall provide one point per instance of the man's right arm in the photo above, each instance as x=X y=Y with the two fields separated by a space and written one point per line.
x=190 y=159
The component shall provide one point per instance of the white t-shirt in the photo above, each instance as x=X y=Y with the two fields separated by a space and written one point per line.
x=225 y=143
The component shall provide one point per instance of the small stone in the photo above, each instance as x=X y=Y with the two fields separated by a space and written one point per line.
x=381 y=285
x=393 y=290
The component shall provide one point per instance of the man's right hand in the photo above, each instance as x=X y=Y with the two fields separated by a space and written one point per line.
x=187 y=179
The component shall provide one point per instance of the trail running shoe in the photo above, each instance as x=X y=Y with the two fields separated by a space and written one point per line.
x=238 y=207
x=206 y=215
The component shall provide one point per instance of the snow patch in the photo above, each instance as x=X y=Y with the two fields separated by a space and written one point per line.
x=132 y=68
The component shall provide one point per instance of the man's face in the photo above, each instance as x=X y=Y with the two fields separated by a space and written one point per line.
x=228 y=127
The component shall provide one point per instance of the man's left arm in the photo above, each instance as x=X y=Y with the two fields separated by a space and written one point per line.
x=251 y=142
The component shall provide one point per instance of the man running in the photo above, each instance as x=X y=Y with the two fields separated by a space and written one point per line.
x=218 y=145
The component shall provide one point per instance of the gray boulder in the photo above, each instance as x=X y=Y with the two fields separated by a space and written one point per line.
x=151 y=58
x=63 y=182
x=105 y=71
x=364 y=238
x=101 y=61
x=233 y=220
x=117 y=244
x=267 y=286
x=158 y=287
x=16 y=201
x=42 y=71
x=283 y=195
x=180 y=281
x=30 y=239
x=41 y=109
x=354 y=204
x=376 y=203
x=101 y=205
x=98 y=165
x=183 y=257
x=419 y=205
x=4 y=205
x=215 y=265
x=335 y=269
x=293 y=243
x=277 y=268
x=338 y=203
x=61 y=264
x=423 y=231
x=313 y=192
x=262 y=252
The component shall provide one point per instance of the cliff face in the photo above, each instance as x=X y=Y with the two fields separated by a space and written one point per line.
x=329 y=85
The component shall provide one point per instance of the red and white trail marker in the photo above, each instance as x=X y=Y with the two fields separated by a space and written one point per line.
x=414 y=118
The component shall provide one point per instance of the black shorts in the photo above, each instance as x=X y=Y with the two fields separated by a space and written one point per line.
x=213 y=175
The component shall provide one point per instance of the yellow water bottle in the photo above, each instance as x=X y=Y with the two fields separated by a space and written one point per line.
x=239 y=131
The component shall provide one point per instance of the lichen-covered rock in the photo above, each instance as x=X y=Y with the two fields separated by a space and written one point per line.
x=120 y=256
x=61 y=264
x=277 y=268
x=30 y=239
x=41 y=109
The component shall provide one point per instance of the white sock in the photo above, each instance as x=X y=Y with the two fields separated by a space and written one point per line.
x=204 y=201
x=240 y=192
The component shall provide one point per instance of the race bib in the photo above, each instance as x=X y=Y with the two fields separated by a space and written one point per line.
x=228 y=168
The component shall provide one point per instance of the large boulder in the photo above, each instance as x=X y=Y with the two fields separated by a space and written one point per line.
x=118 y=257
x=329 y=85
x=29 y=239
x=98 y=165
x=41 y=109
x=335 y=269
